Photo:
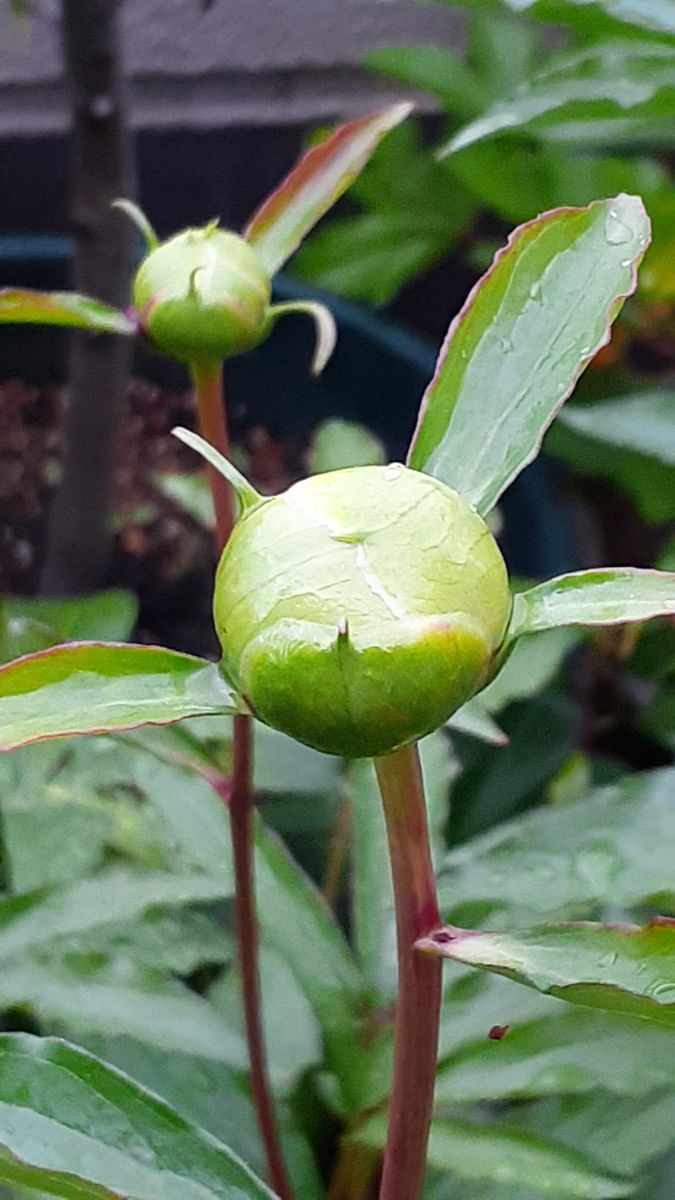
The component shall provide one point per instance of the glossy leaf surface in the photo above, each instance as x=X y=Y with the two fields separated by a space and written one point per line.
x=622 y=968
x=514 y=352
x=622 y=84
x=315 y=184
x=25 y=306
x=606 y=597
x=76 y=1128
x=91 y=687
x=614 y=847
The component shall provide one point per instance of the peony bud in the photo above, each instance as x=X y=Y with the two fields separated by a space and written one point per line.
x=361 y=608
x=202 y=296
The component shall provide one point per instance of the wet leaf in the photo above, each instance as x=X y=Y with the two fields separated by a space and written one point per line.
x=315 y=184
x=614 y=847
x=92 y=687
x=623 y=968
x=605 y=597
x=514 y=352
x=25 y=306
x=79 y=1129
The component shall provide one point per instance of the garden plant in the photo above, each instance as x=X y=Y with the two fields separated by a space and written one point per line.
x=359 y=613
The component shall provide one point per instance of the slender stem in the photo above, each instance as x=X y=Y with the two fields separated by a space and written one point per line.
x=213 y=427
x=419 y=975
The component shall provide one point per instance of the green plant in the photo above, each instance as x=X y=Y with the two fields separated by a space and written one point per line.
x=509 y=362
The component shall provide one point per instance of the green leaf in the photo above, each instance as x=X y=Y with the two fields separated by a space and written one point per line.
x=25 y=306
x=30 y=624
x=644 y=423
x=92 y=687
x=613 y=848
x=516 y=349
x=622 y=968
x=120 y=998
x=570 y=1051
x=488 y=1152
x=337 y=444
x=77 y=1128
x=532 y=664
x=315 y=184
x=431 y=69
x=622 y=86
x=604 y=597
x=647 y=480
x=475 y=720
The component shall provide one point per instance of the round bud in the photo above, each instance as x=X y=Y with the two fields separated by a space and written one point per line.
x=202 y=296
x=361 y=608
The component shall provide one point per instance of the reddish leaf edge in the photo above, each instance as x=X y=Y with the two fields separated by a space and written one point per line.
x=7 y=747
x=383 y=121
x=439 y=941
x=460 y=317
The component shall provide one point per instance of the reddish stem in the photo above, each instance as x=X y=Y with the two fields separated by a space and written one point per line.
x=419 y=975
x=213 y=427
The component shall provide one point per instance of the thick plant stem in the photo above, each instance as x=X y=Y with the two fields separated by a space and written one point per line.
x=419 y=975
x=213 y=427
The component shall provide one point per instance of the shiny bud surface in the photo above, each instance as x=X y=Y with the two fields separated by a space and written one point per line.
x=358 y=610
x=202 y=296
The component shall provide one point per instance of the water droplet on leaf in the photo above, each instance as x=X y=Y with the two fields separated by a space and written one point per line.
x=617 y=233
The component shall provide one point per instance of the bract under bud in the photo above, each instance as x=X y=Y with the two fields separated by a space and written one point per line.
x=202 y=296
x=361 y=608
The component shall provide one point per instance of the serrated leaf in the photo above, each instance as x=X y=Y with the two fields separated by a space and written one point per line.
x=614 y=82
x=488 y=1152
x=92 y=687
x=622 y=968
x=605 y=597
x=315 y=184
x=30 y=624
x=556 y=863
x=25 y=306
x=514 y=352
x=77 y=1128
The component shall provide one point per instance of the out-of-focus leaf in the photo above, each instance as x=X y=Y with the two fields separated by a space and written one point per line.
x=570 y=1051
x=488 y=1152
x=614 y=81
x=555 y=863
x=475 y=720
x=24 y=306
x=28 y=625
x=646 y=480
x=644 y=423
x=120 y=998
x=431 y=69
x=337 y=444
x=587 y=17
x=621 y=1133
x=191 y=493
x=93 y=687
x=403 y=230
x=77 y=1128
x=604 y=597
x=315 y=184
x=516 y=349
x=532 y=664
x=292 y=1032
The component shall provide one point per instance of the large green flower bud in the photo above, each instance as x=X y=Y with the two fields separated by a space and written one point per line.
x=202 y=296
x=361 y=608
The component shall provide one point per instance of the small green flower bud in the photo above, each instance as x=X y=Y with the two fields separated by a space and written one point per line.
x=202 y=296
x=361 y=608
